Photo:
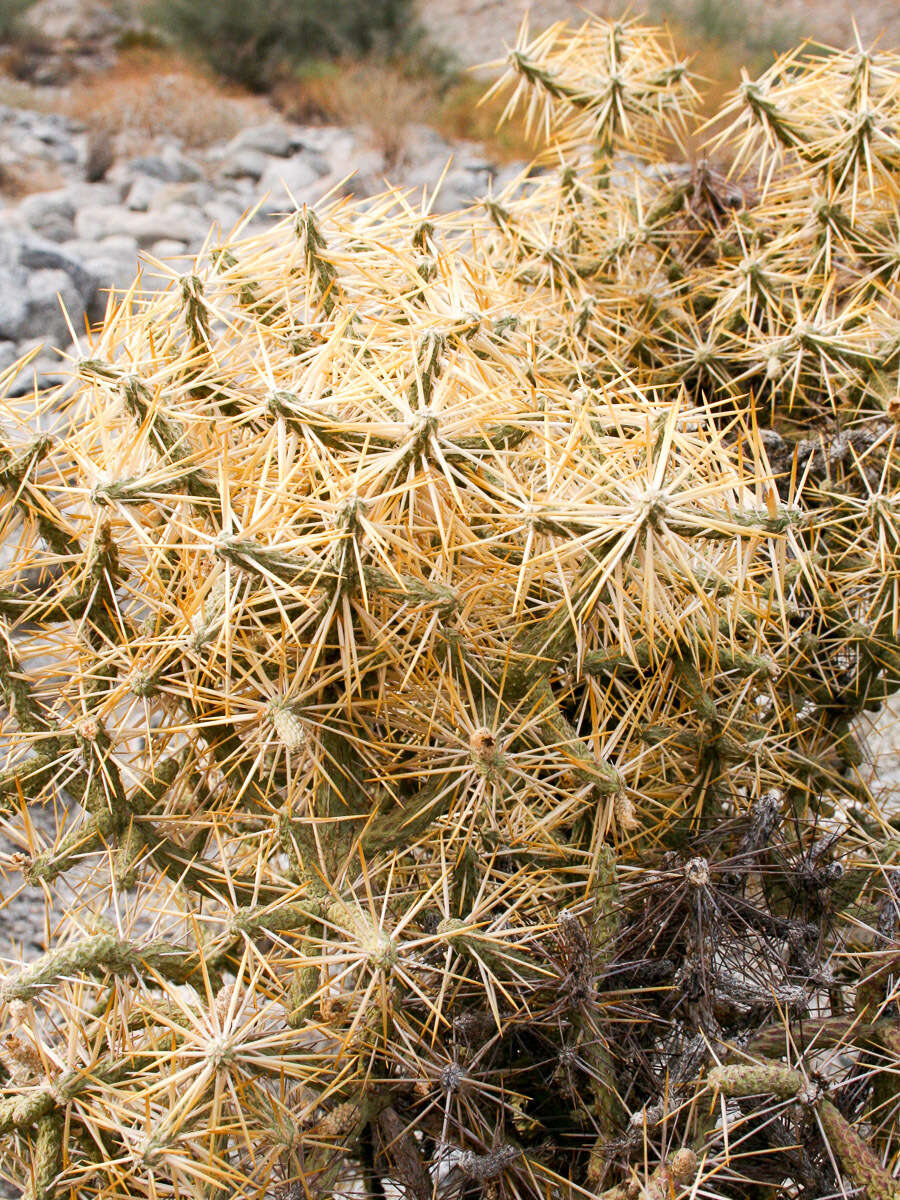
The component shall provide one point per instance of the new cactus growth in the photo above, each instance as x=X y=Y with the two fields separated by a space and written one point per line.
x=433 y=645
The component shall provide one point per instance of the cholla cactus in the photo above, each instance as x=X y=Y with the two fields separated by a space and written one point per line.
x=436 y=643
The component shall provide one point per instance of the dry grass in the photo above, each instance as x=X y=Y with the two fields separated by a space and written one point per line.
x=380 y=96
x=463 y=113
x=149 y=93
x=18 y=180
x=18 y=94
x=388 y=99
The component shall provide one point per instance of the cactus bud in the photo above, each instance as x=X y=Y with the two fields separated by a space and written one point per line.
x=684 y=1165
x=289 y=727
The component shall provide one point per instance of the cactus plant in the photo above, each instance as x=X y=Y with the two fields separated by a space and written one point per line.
x=431 y=657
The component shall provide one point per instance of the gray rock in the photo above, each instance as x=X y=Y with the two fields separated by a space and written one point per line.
x=350 y=156
x=297 y=176
x=245 y=163
x=336 y=143
x=223 y=213
x=48 y=358
x=34 y=274
x=30 y=253
x=425 y=145
x=459 y=188
x=363 y=174
x=116 y=243
x=62 y=20
x=239 y=191
x=188 y=195
x=180 y=222
x=517 y=173
x=169 y=165
x=28 y=138
x=82 y=194
x=141 y=193
x=97 y=222
x=13 y=223
x=49 y=292
x=275 y=139
x=65 y=152
x=48 y=127
x=8 y=355
x=426 y=157
x=471 y=156
x=113 y=263
x=13 y=304
x=50 y=214
x=115 y=272
x=59 y=202
x=168 y=248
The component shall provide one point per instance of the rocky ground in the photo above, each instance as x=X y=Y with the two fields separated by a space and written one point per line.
x=65 y=248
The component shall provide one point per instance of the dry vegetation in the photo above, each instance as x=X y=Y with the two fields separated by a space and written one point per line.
x=388 y=98
x=151 y=93
x=383 y=99
x=18 y=180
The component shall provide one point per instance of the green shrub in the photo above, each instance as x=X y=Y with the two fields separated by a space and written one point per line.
x=10 y=12
x=753 y=32
x=252 y=41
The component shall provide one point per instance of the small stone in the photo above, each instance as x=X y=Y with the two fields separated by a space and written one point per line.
x=167 y=248
x=13 y=305
x=142 y=191
x=49 y=292
x=297 y=176
x=273 y=139
x=185 y=195
x=177 y=221
x=51 y=214
x=246 y=163
x=169 y=165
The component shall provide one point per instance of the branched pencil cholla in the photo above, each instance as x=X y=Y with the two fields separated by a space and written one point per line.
x=433 y=646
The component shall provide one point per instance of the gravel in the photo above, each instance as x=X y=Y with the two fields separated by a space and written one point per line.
x=71 y=244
